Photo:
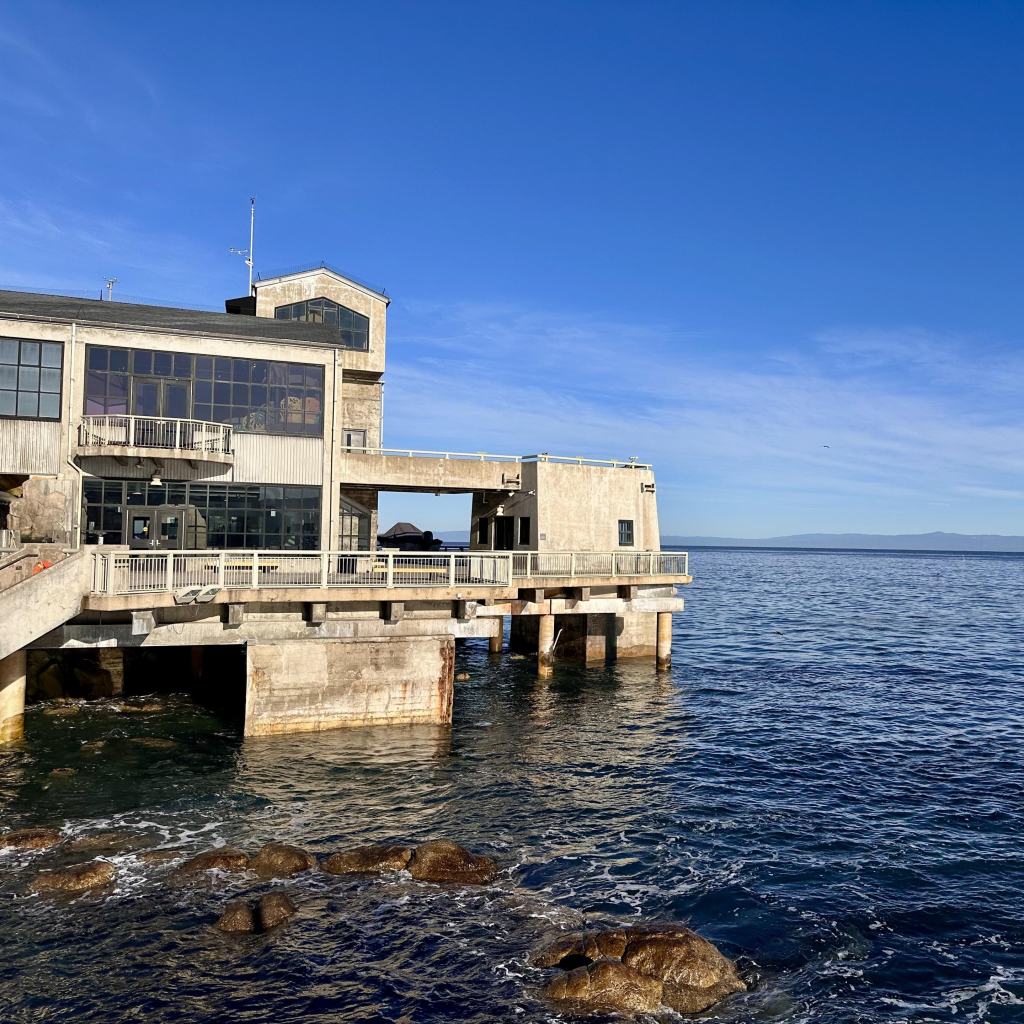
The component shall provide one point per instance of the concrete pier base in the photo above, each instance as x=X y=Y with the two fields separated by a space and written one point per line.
x=664 y=640
x=317 y=684
x=589 y=637
x=495 y=643
x=545 y=644
x=13 y=673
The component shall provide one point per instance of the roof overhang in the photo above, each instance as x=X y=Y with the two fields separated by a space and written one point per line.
x=322 y=272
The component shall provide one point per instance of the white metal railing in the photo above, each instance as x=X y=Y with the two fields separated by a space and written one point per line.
x=9 y=540
x=537 y=564
x=136 y=572
x=155 y=432
x=414 y=453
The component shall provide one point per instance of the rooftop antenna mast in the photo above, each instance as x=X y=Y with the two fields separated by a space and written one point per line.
x=111 y=281
x=247 y=253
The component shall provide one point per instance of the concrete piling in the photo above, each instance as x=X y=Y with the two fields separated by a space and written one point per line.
x=664 y=640
x=495 y=643
x=545 y=644
x=13 y=670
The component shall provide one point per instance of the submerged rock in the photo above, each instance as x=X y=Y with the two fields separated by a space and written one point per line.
x=367 y=860
x=139 y=708
x=114 y=842
x=156 y=742
x=444 y=861
x=273 y=909
x=63 y=709
x=462 y=677
x=694 y=972
x=278 y=860
x=224 y=858
x=237 y=917
x=607 y=985
x=77 y=878
x=63 y=773
x=161 y=856
x=30 y=838
x=93 y=746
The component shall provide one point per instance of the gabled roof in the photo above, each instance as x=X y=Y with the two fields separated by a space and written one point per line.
x=320 y=268
x=129 y=314
x=400 y=530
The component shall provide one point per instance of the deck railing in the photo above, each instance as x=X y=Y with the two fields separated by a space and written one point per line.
x=577 y=460
x=136 y=572
x=154 y=432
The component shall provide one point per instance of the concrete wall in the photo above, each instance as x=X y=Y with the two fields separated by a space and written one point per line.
x=575 y=508
x=310 y=685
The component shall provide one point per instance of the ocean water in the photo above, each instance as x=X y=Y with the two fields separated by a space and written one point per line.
x=829 y=785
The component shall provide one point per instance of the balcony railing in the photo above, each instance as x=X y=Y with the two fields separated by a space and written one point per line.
x=415 y=453
x=145 y=572
x=195 y=436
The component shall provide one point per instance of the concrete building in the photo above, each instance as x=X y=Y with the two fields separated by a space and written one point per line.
x=209 y=481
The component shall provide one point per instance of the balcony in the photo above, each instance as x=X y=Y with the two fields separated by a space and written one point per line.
x=155 y=437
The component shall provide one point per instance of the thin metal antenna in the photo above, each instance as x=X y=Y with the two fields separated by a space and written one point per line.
x=111 y=281
x=247 y=253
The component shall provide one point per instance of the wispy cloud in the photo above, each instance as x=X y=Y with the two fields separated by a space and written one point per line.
x=851 y=419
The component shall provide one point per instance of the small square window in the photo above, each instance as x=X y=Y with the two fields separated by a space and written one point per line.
x=625 y=533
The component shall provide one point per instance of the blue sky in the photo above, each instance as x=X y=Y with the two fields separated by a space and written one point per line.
x=718 y=236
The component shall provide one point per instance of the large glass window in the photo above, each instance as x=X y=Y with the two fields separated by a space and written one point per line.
x=250 y=394
x=218 y=515
x=353 y=327
x=353 y=526
x=30 y=378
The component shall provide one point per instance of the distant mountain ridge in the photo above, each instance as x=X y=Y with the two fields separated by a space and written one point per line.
x=869 y=541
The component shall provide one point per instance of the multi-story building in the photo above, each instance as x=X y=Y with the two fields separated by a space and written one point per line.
x=133 y=438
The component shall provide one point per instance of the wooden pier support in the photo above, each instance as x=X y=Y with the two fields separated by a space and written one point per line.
x=664 y=640
x=545 y=644
x=13 y=670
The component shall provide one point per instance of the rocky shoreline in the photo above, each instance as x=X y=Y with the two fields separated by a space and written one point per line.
x=638 y=969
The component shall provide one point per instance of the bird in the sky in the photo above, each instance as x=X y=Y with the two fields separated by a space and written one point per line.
x=824 y=446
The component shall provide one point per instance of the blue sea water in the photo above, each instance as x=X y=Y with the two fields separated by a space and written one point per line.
x=829 y=785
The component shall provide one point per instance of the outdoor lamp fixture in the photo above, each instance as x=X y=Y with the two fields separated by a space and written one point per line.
x=155 y=478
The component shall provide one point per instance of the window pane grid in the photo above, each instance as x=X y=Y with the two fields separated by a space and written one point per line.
x=225 y=390
x=30 y=378
x=353 y=327
x=217 y=515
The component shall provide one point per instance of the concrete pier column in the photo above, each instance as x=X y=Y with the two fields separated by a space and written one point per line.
x=495 y=642
x=545 y=644
x=664 y=640
x=13 y=670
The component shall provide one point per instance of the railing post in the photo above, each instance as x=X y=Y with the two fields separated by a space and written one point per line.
x=220 y=570
x=391 y=570
x=255 y=570
x=572 y=563
x=451 y=570
x=108 y=565
x=325 y=566
x=170 y=570
x=177 y=434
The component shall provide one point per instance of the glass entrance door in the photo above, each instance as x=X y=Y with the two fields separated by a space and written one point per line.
x=170 y=530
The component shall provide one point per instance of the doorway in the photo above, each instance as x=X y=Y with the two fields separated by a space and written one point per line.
x=156 y=528
x=504 y=533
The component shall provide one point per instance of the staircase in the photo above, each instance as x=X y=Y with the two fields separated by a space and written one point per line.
x=33 y=604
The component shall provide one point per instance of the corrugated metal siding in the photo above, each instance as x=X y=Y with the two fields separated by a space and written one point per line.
x=30 y=446
x=272 y=459
x=109 y=468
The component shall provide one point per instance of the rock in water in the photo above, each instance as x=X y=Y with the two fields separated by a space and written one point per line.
x=224 y=858
x=161 y=856
x=30 y=838
x=694 y=972
x=273 y=909
x=367 y=860
x=444 y=861
x=237 y=917
x=578 y=949
x=462 y=677
x=606 y=985
x=77 y=878
x=277 y=860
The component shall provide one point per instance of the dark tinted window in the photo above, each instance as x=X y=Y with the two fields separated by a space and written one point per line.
x=30 y=379
x=353 y=327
